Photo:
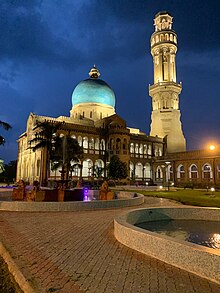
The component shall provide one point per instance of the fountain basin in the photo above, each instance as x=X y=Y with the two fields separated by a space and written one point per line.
x=23 y=206
x=198 y=259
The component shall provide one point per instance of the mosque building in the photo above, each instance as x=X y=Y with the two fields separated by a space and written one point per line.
x=102 y=133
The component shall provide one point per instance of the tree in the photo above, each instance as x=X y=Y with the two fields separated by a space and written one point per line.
x=45 y=138
x=66 y=150
x=9 y=171
x=117 y=169
x=6 y=126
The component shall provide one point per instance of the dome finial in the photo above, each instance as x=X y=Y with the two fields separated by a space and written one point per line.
x=94 y=72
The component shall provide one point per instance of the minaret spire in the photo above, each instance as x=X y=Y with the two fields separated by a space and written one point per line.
x=165 y=118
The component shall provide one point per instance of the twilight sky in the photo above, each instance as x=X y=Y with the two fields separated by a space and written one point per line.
x=48 y=46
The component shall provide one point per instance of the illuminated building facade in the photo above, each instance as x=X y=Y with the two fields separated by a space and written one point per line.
x=93 y=122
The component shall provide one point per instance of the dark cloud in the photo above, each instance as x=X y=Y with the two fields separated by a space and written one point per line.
x=48 y=46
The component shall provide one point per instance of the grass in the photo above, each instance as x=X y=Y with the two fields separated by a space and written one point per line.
x=201 y=198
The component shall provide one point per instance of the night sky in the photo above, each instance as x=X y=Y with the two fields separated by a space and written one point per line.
x=47 y=47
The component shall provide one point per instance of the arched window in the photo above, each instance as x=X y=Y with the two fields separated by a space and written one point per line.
x=132 y=174
x=102 y=144
x=145 y=149
x=170 y=172
x=180 y=172
x=85 y=142
x=156 y=151
x=136 y=148
x=160 y=151
x=193 y=172
x=97 y=143
x=132 y=148
x=87 y=168
x=149 y=150
x=98 y=170
x=139 y=170
x=75 y=168
x=73 y=136
x=141 y=149
x=91 y=143
x=80 y=140
x=207 y=171
x=118 y=144
x=147 y=171
x=159 y=173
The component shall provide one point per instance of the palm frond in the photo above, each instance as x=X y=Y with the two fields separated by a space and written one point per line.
x=5 y=125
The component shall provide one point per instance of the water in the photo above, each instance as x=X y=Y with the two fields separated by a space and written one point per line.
x=206 y=233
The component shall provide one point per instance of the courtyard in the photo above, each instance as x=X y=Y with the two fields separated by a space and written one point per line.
x=77 y=252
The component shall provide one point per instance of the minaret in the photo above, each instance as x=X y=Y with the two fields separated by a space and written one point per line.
x=165 y=117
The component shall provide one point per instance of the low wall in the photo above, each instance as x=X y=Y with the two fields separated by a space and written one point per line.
x=71 y=205
x=194 y=258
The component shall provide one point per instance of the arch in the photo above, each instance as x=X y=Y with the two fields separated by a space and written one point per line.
x=160 y=151
x=159 y=172
x=149 y=150
x=80 y=140
x=73 y=136
x=180 y=172
x=112 y=144
x=169 y=172
x=157 y=39
x=91 y=143
x=118 y=144
x=156 y=151
x=131 y=168
x=139 y=170
x=166 y=37
x=75 y=168
x=136 y=148
x=147 y=170
x=207 y=171
x=141 y=149
x=171 y=37
x=87 y=168
x=85 y=142
x=124 y=146
x=98 y=170
x=102 y=144
x=145 y=149
x=193 y=171
x=97 y=143
x=174 y=39
x=161 y=38
x=131 y=148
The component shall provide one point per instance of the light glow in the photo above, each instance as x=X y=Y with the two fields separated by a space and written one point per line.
x=212 y=147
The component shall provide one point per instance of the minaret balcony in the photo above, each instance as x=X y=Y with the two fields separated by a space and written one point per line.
x=171 y=85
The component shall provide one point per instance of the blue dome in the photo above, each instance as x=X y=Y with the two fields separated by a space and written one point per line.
x=93 y=91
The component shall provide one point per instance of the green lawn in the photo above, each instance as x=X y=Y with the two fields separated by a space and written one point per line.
x=190 y=197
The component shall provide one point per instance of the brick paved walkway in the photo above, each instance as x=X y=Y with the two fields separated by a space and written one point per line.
x=76 y=252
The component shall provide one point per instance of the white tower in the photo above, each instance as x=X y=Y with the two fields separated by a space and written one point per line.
x=165 y=117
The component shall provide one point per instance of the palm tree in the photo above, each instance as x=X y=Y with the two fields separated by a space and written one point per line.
x=45 y=138
x=66 y=150
x=6 y=126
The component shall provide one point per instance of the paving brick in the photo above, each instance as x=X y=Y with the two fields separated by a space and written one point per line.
x=76 y=252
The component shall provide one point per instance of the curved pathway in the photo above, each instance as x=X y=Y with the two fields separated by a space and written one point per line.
x=77 y=252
